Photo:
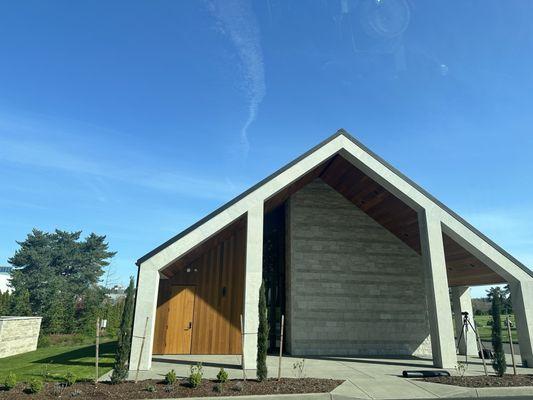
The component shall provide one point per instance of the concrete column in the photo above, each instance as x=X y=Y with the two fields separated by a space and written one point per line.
x=253 y=279
x=145 y=307
x=461 y=302
x=522 y=298
x=437 y=291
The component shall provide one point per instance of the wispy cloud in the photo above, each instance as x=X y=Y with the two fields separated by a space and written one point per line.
x=237 y=20
x=52 y=146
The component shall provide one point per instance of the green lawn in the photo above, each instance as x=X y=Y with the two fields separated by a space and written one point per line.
x=51 y=363
x=485 y=331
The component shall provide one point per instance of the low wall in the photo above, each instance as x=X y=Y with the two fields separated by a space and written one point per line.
x=18 y=335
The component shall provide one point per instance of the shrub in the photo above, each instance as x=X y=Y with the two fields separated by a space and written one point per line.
x=262 y=336
x=222 y=376
x=43 y=341
x=218 y=388
x=150 y=388
x=58 y=389
x=168 y=388
x=498 y=363
x=70 y=378
x=170 y=377
x=120 y=368
x=239 y=386
x=298 y=368
x=195 y=378
x=35 y=386
x=11 y=381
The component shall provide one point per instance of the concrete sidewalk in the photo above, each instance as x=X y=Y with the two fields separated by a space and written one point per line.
x=366 y=378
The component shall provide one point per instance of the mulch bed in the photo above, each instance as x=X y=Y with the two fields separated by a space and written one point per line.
x=484 y=381
x=140 y=390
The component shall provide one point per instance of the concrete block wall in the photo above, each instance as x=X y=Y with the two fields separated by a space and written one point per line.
x=353 y=288
x=18 y=335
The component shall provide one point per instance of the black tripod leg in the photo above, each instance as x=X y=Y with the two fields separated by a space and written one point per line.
x=459 y=340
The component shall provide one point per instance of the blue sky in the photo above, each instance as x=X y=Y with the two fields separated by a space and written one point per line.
x=134 y=119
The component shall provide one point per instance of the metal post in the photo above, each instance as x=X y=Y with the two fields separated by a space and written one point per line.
x=242 y=351
x=281 y=347
x=97 y=347
x=511 y=343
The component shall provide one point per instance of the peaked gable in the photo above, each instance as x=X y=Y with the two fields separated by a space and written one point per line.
x=332 y=160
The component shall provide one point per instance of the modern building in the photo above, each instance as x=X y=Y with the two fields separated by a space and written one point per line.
x=5 y=273
x=359 y=259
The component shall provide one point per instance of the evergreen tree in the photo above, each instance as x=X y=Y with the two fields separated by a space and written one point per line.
x=498 y=363
x=90 y=309
x=5 y=303
x=122 y=355
x=112 y=312
x=20 y=303
x=262 y=336
x=59 y=270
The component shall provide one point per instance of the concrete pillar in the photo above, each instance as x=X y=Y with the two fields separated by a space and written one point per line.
x=522 y=298
x=461 y=302
x=437 y=292
x=253 y=279
x=145 y=307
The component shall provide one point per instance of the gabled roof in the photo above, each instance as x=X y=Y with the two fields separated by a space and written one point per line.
x=389 y=170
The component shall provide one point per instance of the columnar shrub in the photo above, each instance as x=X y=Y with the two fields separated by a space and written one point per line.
x=120 y=368
x=262 y=336
x=498 y=362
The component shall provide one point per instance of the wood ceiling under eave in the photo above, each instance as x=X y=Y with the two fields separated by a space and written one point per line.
x=392 y=213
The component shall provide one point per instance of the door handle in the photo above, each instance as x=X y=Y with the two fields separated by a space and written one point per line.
x=190 y=325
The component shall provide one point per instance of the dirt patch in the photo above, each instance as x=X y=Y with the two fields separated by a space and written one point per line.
x=484 y=381
x=145 y=389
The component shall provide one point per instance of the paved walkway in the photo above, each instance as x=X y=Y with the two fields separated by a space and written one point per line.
x=366 y=378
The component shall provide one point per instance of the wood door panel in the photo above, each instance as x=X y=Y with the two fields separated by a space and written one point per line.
x=174 y=320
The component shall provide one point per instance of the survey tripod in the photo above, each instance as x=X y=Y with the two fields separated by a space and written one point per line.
x=464 y=336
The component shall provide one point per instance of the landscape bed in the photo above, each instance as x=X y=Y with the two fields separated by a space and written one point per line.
x=152 y=389
x=481 y=381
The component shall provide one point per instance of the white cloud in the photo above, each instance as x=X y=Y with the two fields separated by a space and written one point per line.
x=238 y=22
x=38 y=142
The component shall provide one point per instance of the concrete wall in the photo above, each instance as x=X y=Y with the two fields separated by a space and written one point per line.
x=353 y=288
x=18 y=335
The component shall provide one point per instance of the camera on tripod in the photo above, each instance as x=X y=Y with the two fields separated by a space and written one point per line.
x=465 y=313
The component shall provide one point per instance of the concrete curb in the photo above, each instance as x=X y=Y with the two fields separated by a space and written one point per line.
x=512 y=393
x=305 y=396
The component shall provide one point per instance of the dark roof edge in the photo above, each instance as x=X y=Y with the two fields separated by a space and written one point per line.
x=340 y=132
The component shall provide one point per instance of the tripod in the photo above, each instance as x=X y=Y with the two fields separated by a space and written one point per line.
x=466 y=325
